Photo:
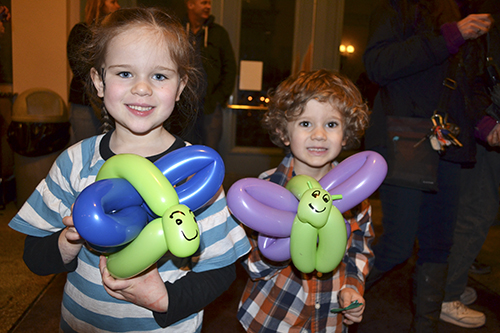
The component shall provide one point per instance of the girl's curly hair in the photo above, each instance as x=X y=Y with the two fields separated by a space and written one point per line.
x=169 y=30
x=288 y=101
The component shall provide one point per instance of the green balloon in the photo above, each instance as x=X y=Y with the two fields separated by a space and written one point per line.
x=146 y=178
x=142 y=252
x=303 y=240
x=332 y=242
x=181 y=231
x=319 y=236
x=314 y=207
x=176 y=229
x=299 y=184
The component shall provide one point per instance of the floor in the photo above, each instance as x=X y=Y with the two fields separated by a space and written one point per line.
x=30 y=303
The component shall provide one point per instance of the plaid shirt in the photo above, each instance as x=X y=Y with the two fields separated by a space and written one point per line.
x=279 y=298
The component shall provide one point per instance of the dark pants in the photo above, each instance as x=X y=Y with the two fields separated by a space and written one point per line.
x=479 y=202
x=409 y=214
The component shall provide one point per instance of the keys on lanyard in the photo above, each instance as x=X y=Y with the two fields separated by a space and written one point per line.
x=442 y=134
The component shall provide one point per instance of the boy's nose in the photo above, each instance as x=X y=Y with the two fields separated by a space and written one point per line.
x=318 y=134
x=141 y=88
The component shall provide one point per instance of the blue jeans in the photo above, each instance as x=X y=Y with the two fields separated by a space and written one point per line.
x=410 y=214
x=478 y=208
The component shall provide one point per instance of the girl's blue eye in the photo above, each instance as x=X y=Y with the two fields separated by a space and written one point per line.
x=159 y=77
x=124 y=74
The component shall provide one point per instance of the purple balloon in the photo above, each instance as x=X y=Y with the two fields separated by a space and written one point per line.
x=356 y=178
x=263 y=206
x=269 y=208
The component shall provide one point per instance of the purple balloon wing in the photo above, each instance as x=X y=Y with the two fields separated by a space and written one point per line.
x=355 y=178
x=263 y=206
x=276 y=249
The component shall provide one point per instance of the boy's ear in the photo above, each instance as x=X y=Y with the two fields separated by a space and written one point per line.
x=98 y=83
x=284 y=138
x=344 y=141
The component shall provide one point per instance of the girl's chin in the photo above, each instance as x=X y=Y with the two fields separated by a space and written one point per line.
x=140 y=130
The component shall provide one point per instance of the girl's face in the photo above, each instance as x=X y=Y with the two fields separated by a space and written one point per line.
x=110 y=6
x=141 y=83
x=316 y=138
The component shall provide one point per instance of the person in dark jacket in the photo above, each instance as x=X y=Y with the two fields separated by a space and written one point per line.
x=410 y=48
x=479 y=198
x=85 y=122
x=217 y=57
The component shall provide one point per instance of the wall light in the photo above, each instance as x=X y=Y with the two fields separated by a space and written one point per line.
x=349 y=49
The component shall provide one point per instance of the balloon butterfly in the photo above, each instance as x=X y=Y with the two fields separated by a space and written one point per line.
x=133 y=213
x=299 y=221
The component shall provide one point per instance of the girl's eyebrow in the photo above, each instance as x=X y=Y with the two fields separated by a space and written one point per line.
x=157 y=68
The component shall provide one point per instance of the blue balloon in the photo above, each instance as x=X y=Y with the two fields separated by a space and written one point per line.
x=202 y=163
x=110 y=213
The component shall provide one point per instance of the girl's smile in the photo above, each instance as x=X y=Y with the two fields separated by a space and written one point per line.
x=139 y=84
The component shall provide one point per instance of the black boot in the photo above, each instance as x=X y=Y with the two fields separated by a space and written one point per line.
x=428 y=296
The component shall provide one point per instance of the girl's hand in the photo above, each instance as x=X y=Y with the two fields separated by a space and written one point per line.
x=475 y=25
x=70 y=241
x=146 y=289
x=494 y=137
x=346 y=297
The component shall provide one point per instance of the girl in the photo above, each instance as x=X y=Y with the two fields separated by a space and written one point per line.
x=140 y=65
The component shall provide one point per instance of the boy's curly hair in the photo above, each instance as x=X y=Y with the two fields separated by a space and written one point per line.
x=288 y=101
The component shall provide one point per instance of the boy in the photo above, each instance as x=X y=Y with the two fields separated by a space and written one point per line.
x=313 y=116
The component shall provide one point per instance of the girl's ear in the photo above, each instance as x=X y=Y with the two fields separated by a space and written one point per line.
x=98 y=83
x=180 y=88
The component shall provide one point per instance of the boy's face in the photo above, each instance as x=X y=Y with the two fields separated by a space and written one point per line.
x=316 y=138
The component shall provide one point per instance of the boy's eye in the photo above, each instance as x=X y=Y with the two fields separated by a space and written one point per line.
x=125 y=74
x=159 y=77
x=305 y=124
x=332 y=124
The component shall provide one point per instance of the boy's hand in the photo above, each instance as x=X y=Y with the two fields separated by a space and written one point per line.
x=146 y=289
x=70 y=241
x=346 y=297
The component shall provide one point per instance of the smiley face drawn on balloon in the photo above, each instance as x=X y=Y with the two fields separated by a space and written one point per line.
x=314 y=206
x=271 y=209
x=181 y=231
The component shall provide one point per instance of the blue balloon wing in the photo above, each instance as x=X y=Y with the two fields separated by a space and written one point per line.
x=196 y=172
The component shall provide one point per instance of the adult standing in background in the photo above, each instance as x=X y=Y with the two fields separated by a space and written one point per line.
x=4 y=17
x=85 y=122
x=479 y=198
x=410 y=48
x=217 y=56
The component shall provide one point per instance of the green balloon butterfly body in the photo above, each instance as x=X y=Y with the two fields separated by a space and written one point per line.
x=319 y=236
x=176 y=230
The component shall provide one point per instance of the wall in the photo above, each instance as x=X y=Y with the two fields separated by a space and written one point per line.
x=39 y=32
